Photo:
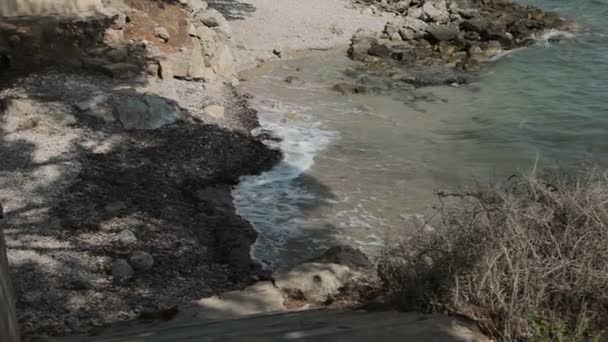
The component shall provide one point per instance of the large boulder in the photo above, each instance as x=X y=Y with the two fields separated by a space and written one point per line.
x=317 y=282
x=442 y=33
x=146 y=112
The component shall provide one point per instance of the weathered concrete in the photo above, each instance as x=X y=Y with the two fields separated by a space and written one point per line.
x=8 y=324
x=317 y=325
x=12 y=8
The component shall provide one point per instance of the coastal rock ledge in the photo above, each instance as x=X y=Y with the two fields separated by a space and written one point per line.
x=458 y=34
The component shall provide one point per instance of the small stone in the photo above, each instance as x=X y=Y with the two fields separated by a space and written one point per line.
x=407 y=34
x=118 y=54
x=293 y=80
x=121 y=270
x=443 y=32
x=114 y=37
x=80 y=282
x=162 y=33
x=115 y=207
x=119 y=21
x=141 y=261
x=215 y=111
x=127 y=237
x=153 y=69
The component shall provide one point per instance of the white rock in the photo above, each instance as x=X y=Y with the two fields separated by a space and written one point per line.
x=127 y=237
x=223 y=61
x=162 y=33
x=215 y=111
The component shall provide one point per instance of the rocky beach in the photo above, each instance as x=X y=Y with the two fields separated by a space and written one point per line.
x=136 y=171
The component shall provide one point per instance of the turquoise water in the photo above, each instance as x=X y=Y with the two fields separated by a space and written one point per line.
x=548 y=102
x=360 y=169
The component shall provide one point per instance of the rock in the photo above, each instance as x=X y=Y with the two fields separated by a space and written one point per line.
x=407 y=34
x=115 y=207
x=165 y=69
x=223 y=61
x=195 y=5
x=162 y=33
x=496 y=31
x=141 y=261
x=391 y=29
x=344 y=255
x=14 y=40
x=118 y=54
x=492 y=48
x=361 y=42
x=80 y=282
x=414 y=24
x=295 y=80
x=368 y=11
x=446 y=50
x=346 y=88
x=402 y=6
x=380 y=50
x=119 y=21
x=441 y=33
x=96 y=106
x=214 y=19
x=121 y=70
x=316 y=281
x=436 y=11
x=121 y=271
x=470 y=35
x=415 y=13
x=190 y=65
x=114 y=37
x=215 y=111
x=153 y=69
x=478 y=25
x=468 y=12
x=127 y=237
x=146 y=112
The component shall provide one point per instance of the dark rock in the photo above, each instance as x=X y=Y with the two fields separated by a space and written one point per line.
x=346 y=256
x=141 y=261
x=470 y=35
x=146 y=112
x=380 y=50
x=441 y=33
x=478 y=25
x=121 y=271
x=293 y=80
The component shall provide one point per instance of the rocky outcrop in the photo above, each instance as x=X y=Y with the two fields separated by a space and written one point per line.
x=128 y=44
x=457 y=34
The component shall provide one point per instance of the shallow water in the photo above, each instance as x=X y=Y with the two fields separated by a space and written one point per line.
x=358 y=167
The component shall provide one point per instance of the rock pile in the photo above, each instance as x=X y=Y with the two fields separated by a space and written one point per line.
x=461 y=34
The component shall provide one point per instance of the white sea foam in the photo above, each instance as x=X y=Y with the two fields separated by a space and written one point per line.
x=272 y=201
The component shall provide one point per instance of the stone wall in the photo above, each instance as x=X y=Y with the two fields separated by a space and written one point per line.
x=8 y=323
x=11 y=8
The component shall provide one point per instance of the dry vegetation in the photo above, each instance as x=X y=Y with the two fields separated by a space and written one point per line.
x=527 y=258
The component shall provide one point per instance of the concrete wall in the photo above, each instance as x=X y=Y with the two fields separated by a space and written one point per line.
x=12 y=8
x=8 y=323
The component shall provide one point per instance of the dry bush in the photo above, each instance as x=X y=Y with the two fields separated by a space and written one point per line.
x=526 y=258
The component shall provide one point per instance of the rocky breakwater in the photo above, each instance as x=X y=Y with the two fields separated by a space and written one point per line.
x=459 y=34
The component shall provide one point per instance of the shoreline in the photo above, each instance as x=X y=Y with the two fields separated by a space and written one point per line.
x=183 y=270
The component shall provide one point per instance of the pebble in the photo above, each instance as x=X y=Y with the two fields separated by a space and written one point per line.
x=121 y=270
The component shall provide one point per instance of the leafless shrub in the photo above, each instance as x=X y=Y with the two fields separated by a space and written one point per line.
x=527 y=258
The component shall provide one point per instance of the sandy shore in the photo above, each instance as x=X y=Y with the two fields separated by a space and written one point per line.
x=263 y=28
